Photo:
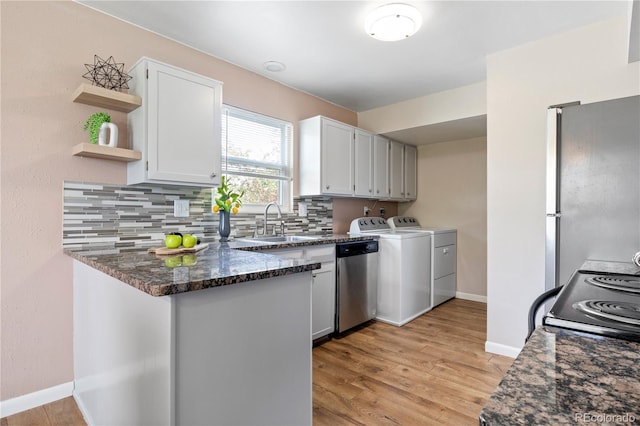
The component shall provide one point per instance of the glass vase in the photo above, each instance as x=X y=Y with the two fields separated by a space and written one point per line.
x=224 y=226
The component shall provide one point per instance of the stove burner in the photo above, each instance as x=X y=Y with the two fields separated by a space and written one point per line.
x=624 y=312
x=628 y=284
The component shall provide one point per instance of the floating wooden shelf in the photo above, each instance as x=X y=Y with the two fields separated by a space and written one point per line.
x=101 y=97
x=106 y=152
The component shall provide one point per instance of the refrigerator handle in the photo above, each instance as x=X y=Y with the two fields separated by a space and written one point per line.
x=553 y=215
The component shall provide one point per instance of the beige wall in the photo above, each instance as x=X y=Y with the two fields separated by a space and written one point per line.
x=452 y=191
x=347 y=209
x=589 y=65
x=449 y=105
x=44 y=46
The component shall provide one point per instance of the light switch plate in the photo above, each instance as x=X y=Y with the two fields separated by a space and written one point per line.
x=181 y=208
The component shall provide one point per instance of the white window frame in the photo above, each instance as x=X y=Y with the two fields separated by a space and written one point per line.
x=286 y=182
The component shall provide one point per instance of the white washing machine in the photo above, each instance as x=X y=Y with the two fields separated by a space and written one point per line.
x=404 y=277
x=444 y=255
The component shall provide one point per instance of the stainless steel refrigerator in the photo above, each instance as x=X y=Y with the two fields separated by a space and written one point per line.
x=593 y=185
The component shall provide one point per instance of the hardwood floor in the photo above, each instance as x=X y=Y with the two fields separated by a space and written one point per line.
x=58 y=413
x=432 y=371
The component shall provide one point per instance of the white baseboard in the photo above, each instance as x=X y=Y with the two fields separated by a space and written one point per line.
x=497 y=348
x=472 y=297
x=35 y=399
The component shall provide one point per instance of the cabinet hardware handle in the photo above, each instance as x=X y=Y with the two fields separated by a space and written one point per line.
x=212 y=175
x=327 y=186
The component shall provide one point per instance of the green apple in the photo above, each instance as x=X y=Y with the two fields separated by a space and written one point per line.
x=173 y=261
x=189 y=259
x=189 y=241
x=173 y=241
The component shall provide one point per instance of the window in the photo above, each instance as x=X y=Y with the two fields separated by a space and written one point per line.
x=256 y=155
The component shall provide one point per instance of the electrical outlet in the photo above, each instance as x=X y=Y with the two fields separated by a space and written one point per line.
x=366 y=211
x=382 y=211
x=303 y=209
x=181 y=208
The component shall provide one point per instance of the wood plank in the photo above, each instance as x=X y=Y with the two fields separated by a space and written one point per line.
x=433 y=370
x=34 y=417
x=64 y=412
x=105 y=152
x=99 y=96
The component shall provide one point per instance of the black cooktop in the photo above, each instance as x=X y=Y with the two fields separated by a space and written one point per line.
x=599 y=302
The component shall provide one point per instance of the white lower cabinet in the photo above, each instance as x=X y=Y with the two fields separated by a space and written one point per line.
x=323 y=285
x=323 y=300
x=445 y=263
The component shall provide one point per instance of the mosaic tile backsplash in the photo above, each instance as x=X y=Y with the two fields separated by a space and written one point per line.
x=141 y=215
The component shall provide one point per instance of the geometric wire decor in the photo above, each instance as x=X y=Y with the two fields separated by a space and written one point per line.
x=107 y=74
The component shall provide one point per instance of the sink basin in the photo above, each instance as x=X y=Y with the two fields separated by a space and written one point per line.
x=280 y=239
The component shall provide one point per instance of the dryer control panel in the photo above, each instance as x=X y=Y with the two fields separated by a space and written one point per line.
x=397 y=222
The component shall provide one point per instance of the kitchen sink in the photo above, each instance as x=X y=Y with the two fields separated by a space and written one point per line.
x=280 y=239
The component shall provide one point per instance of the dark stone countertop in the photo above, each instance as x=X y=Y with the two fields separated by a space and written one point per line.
x=567 y=377
x=219 y=264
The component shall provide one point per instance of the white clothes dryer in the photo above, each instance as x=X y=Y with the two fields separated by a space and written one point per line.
x=444 y=255
x=404 y=278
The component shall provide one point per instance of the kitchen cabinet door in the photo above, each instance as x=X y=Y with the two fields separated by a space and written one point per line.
x=380 y=167
x=326 y=157
x=323 y=300
x=337 y=158
x=177 y=129
x=396 y=170
x=410 y=172
x=363 y=164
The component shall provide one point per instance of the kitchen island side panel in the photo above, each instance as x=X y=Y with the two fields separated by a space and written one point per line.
x=123 y=351
x=243 y=353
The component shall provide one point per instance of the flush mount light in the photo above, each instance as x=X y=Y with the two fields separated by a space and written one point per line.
x=274 y=66
x=393 y=22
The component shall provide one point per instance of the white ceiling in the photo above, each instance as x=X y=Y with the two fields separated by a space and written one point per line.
x=328 y=54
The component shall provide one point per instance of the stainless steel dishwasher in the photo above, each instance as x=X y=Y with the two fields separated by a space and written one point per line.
x=356 y=283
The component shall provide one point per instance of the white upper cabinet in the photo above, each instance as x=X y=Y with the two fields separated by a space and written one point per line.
x=177 y=128
x=342 y=160
x=363 y=164
x=396 y=170
x=403 y=178
x=326 y=157
x=380 y=167
x=410 y=172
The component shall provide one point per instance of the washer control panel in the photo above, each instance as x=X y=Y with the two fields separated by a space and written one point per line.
x=368 y=224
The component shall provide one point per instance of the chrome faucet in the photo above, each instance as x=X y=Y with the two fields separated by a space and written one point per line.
x=266 y=210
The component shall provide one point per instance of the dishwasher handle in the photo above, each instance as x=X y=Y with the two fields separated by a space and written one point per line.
x=356 y=248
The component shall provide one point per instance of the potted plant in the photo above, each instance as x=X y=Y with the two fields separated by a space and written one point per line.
x=227 y=201
x=93 y=124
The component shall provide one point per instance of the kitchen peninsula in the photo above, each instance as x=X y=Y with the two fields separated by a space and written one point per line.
x=224 y=338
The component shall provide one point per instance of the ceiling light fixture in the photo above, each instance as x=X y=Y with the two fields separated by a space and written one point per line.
x=274 y=66
x=391 y=22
